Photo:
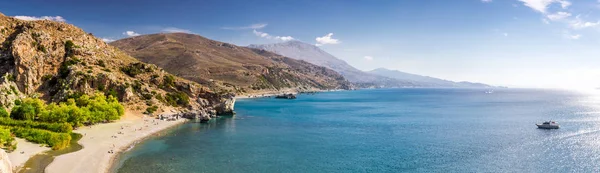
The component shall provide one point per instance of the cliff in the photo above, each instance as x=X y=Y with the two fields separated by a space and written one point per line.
x=55 y=61
x=229 y=68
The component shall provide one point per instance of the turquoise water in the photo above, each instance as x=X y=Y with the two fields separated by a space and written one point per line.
x=392 y=130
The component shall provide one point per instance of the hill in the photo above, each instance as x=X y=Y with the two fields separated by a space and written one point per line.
x=228 y=67
x=425 y=81
x=55 y=61
x=313 y=54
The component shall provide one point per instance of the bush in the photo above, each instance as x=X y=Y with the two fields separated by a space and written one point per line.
x=177 y=99
x=169 y=81
x=134 y=69
x=3 y=113
x=55 y=127
x=6 y=139
x=151 y=109
x=79 y=110
x=54 y=140
x=23 y=112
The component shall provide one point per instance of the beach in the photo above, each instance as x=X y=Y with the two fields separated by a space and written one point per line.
x=102 y=143
x=24 y=151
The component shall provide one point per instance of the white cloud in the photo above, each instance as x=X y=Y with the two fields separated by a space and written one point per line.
x=53 y=18
x=268 y=36
x=558 y=16
x=505 y=34
x=108 y=40
x=130 y=33
x=368 y=58
x=253 y=26
x=176 y=30
x=327 y=40
x=568 y=35
x=579 y=23
x=542 y=5
x=486 y=1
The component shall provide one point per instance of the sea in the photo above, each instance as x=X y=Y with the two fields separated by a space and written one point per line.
x=385 y=130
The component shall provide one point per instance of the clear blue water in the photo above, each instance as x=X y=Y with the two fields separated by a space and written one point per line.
x=391 y=130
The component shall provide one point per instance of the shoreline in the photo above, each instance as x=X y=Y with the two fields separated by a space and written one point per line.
x=113 y=161
x=29 y=150
x=275 y=93
x=103 y=143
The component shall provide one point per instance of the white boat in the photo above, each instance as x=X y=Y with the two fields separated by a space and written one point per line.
x=548 y=125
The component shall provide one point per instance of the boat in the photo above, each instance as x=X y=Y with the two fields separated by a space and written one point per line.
x=548 y=125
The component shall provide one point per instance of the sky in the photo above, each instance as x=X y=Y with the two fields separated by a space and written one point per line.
x=515 y=43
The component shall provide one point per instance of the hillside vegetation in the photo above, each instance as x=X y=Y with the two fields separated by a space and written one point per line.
x=226 y=66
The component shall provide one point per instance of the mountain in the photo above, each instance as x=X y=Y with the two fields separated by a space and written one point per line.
x=425 y=81
x=223 y=65
x=313 y=54
x=55 y=61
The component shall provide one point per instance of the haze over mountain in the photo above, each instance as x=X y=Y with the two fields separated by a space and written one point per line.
x=424 y=81
x=376 y=78
x=313 y=54
x=224 y=65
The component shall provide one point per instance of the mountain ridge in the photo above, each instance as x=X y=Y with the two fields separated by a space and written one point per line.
x=426 y=81
x=313 y=54
x=236 y=69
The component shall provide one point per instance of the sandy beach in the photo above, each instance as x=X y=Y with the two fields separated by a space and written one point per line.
x=98 y=140
x=24 y=151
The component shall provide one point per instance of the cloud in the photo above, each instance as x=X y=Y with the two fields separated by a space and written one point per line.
x=568 y=35
x=108 y=40
x=270 y=37
x=542 y=5
x=505 y=34
x=130 y=33
x=53 y=18
x=176 y=30
x=486 y=1
x=253 y=26
x=327 y=40
x=368 y=58
x=579 y=23
x=558 y=16
x=546 y=21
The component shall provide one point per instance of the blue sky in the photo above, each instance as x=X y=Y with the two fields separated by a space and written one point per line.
x=519 y=43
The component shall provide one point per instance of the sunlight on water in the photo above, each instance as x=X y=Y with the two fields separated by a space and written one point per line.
x=395 y=130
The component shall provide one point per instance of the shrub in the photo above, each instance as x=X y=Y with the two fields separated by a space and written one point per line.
x=3 y=113
x=151 y=109
x=6 y=139
x=169 y=81
x=54 y=127
x=134 y=69
x=177 y=99
x=10 y=77
x=54 y=140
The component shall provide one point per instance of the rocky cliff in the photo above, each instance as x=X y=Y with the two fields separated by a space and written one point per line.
x=229 y=68
x=55 y=61
x=5 y=165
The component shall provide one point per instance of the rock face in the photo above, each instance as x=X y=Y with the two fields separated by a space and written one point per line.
x=229 y=68
x=5 y=165
x=54 y=60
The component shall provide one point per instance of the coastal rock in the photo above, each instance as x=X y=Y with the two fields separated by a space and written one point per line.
x=5 y=165
x=226 y=106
